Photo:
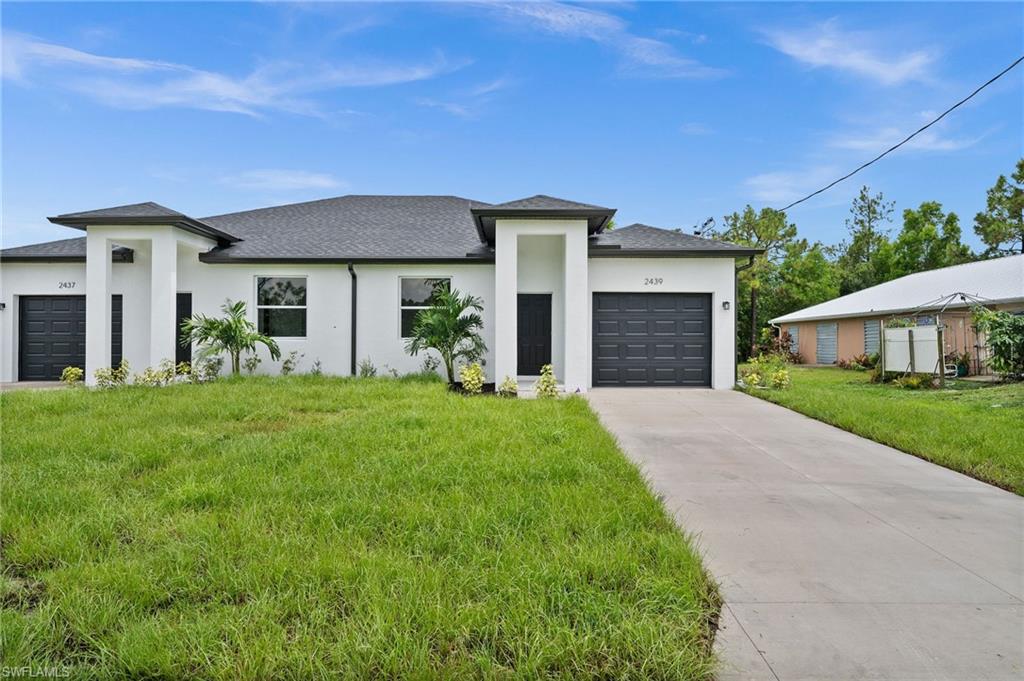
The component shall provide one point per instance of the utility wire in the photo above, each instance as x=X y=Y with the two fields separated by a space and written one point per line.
x=909 y=137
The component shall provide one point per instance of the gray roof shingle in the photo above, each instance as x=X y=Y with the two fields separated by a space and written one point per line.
x=147 y=209
x=638 y=237
x=375 y=228
x=544 y=202
x=65 y=249
x=355 y=227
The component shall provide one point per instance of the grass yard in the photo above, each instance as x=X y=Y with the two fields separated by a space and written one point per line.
x=974 y=428
x=307 y=527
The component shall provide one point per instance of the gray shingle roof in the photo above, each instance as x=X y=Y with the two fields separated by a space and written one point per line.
x=355 y=227
x=147 y=209
x=638 y=237
x=368 y=228
x=65 y=249
x=544 y=202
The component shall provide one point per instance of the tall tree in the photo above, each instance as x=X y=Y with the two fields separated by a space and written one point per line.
x=806 y=277
x=862 y=259
x=1001 y=225
x=930 y=239
x=768 y=230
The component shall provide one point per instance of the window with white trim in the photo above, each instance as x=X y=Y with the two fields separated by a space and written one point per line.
x=281 y=306
x=415 y=294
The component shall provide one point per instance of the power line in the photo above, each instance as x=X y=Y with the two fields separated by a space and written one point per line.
x=909 y=137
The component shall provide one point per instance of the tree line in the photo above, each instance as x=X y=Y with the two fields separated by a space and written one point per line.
x=794 y=273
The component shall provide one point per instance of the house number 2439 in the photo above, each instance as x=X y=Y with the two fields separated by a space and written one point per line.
x=653 y=281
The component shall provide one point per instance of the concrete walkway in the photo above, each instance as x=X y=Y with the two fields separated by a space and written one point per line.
x=839 y=558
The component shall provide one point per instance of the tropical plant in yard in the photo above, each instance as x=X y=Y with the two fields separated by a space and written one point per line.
x=1004 y=335
x=472 y=377
x=451 y=327
x=508 y=387
x=546 y=385
x=72 y=375
x=233 y=334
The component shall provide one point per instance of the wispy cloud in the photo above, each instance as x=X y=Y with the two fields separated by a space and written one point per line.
x=132 y=83
x=881 y=138
x=781 y=186
x=695 y=129
x=468 y=102
x=827 y=45
x=282 y=180
x=694 y=38
x=641 y=56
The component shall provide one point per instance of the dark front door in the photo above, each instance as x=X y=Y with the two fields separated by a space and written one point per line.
x=534 y=329
x=182 y=353
x=52 y=335
x=652 y=339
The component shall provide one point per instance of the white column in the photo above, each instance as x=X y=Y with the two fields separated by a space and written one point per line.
x=577 y=311
x=506 y=288
x=97 y=302
x=163 y=290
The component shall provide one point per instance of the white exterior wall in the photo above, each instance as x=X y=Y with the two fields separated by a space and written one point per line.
x=678 y=275
x=510 y=235
x=130 y=280
x=534 y=266
x=378 y=311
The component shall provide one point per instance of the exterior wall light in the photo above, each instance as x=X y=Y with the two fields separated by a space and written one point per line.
x=725 y=304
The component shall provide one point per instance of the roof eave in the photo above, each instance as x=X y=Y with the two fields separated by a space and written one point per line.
x=127 y=255
x=597 y=218
x=618 y=252
x=182 y=222
x=890 y=311
x=214 y=258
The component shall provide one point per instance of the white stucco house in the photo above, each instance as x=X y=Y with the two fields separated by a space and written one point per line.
x=341 y=280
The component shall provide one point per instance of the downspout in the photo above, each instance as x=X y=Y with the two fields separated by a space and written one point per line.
x=735 y=316
x=355 y=281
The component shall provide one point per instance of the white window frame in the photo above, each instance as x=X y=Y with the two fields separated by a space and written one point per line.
x=402 y=307
x=257 y=307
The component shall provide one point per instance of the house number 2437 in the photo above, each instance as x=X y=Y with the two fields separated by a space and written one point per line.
x=653 y=281
x=66 y=284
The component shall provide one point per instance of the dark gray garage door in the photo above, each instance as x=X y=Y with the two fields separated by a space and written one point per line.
x=52 y=335
x=652 y=339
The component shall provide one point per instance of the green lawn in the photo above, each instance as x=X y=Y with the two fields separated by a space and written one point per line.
x=309 y=527
x=974 y=428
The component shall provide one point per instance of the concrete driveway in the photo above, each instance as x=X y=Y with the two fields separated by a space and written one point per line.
x=839 y=558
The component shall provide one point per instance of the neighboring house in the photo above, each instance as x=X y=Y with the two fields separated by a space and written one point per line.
x=851 y=325
x=342 y=279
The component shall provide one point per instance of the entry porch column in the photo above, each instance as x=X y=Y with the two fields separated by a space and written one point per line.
x=97 y=303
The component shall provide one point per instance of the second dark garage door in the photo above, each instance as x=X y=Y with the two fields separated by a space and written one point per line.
x=652 y=339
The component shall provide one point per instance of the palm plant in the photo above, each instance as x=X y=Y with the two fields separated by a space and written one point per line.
x=233 y=333
x=451 y=326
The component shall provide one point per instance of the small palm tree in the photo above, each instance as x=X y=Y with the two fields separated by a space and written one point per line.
x=233 y=333
x=451 y=326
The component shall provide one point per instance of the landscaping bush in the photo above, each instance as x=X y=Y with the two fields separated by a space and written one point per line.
x=780 y=346
x=156 y=376
x=766 y=371
x=451 y=327
x=915 y=382
x=508 y=387
x=291 y=362
x=472 y=377
x=366 y=368
x=251 y=363
x=1004 y=335
x=546 y=385
x=72 y=375
x=861 y=362
x=111 y=377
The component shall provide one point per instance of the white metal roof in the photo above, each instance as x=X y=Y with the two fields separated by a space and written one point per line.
x=1000 y=280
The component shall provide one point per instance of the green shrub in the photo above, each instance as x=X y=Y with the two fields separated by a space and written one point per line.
x=72 y=375
x=766 y=371
x=111 y=377
x=291 y=362
x=163 y=374
x=546 y=385
x=251 y=362
x=366 y=368
x=472 y=377
x=1004 y=335
x=508 y=387
x=914 y=382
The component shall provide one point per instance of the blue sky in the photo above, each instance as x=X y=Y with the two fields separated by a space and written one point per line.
x=669 y=112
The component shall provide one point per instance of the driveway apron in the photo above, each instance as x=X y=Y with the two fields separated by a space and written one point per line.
x=839 y=558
